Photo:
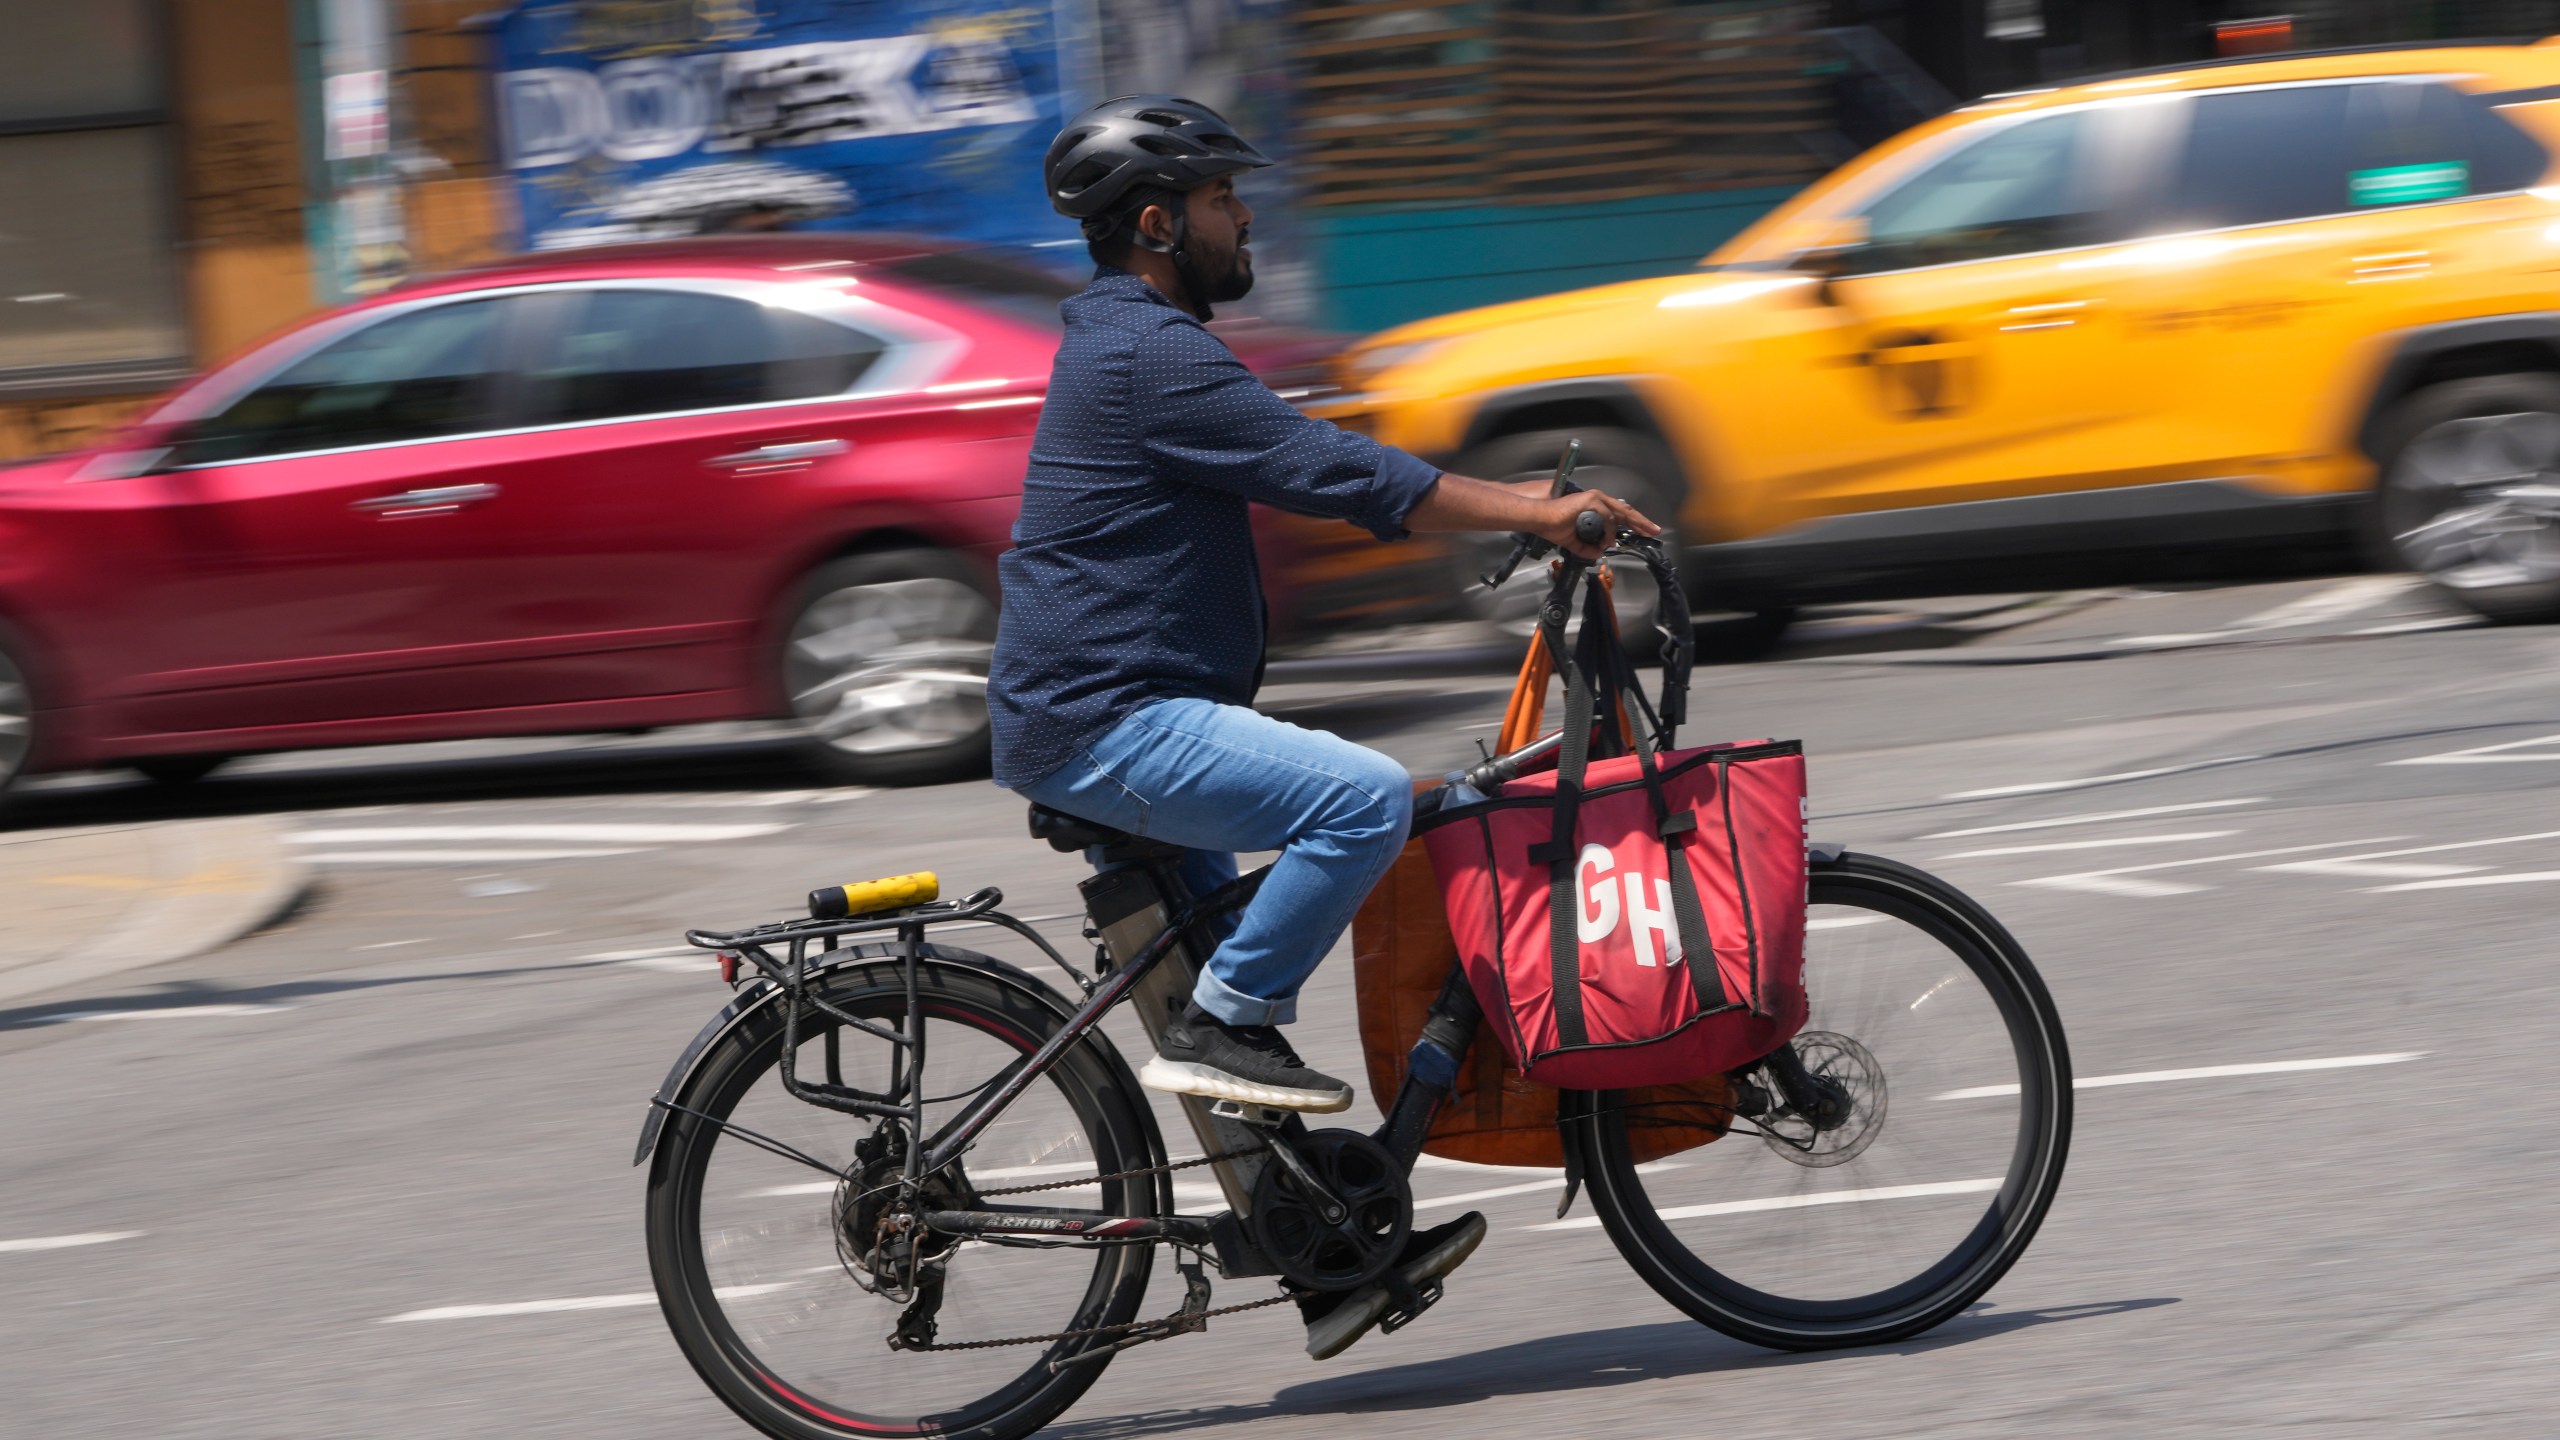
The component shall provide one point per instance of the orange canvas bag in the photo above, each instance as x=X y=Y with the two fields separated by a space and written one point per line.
x=1401 y=954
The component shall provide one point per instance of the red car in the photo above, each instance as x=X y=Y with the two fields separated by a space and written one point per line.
x=597 y=490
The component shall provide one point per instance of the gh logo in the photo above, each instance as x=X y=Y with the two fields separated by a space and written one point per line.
x=1595 y=910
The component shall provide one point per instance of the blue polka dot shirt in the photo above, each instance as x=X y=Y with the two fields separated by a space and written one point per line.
x=1132 y=576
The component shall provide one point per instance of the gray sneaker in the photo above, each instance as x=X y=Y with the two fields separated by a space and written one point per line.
x=1335 y=1320
x=1199 y=1054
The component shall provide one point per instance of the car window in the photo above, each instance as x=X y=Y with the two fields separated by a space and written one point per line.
x=2034 y=185
x=413 y=376
x=2253 y=157
x=644 y=352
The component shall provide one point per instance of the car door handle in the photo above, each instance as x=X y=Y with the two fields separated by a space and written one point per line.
x=438 y=500
x=795 y=453
x=2046 y=315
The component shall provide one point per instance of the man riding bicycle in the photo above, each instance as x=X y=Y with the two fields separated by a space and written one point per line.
x=1131 y=638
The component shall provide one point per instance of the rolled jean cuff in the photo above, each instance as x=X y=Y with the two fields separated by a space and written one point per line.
x=1237 y=1008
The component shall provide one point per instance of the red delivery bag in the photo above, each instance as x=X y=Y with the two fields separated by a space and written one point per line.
x=1635 y=919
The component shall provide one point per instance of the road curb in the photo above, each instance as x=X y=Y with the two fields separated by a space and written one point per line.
x=84 y=904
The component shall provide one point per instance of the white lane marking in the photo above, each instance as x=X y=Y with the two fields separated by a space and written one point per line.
x=1049 y=1169
x=2519 y=877
x=1435 y=1162
x=581 y=1302
x=699 y=962
x=2093 y=819
x=2361 y=866
x=2199 y=1072
x=2405 y=627
x=2344 y=598
x=1553 y=1182
x=2039 y=787
x=1840 y=922
x=390 y=944
x=1797 y=1202
x=2113 y=882
x=560 y=834
x=66 y=1242
x=652 y=953
x=2489 y=754
x=452 y=857
x=2189 y=836
x=165 y=1012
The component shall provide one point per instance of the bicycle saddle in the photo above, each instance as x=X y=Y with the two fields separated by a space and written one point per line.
x=1067 y=834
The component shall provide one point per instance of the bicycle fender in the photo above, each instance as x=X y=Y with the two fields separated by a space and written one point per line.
x=760 y=993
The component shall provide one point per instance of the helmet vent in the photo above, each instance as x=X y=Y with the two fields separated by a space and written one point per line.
x=1160 y=145
x=1083 y=175
x=1166 y=117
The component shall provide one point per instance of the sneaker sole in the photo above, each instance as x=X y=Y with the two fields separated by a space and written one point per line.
x=1336 y=1332
x=1184 y=1077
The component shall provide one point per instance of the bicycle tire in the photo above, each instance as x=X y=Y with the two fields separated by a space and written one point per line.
x=959 y=994
x=1886 y=890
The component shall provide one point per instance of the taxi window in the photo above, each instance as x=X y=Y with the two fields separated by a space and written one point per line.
x=2026 y=187
x=2255 y=157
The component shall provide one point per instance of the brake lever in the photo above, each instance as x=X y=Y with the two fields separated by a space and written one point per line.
x=1587 y=526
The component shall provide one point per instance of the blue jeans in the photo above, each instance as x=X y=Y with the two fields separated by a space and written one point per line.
x=1216 y=779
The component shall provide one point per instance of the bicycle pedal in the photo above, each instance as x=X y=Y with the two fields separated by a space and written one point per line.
x=1263 y=1115
x=1425 y=1295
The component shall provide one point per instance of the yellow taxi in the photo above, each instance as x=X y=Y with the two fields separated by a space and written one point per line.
x=2142 y=327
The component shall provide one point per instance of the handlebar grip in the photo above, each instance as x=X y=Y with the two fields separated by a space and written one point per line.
x=1590 y=528
x=863 y=897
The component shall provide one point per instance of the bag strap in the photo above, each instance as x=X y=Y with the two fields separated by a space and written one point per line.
x=1610 y=678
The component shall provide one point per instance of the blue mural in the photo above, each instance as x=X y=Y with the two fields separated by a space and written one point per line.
x=640 y=119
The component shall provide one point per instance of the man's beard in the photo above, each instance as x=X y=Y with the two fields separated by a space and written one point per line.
x=1224 y=275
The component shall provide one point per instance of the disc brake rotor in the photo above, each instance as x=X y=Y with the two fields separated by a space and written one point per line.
x=1833 y=1060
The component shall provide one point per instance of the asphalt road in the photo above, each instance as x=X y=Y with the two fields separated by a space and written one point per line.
x=2236 y=828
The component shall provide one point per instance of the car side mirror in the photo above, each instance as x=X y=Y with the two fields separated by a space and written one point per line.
x=1832 y=257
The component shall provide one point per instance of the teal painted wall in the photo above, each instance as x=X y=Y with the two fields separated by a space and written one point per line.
x=1382 y=267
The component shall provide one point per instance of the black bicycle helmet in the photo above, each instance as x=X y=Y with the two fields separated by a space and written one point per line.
x=1140 y=140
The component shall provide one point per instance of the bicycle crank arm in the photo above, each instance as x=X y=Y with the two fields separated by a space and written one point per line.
x=1027 y=1221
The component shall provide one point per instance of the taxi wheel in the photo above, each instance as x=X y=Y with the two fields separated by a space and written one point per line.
x=2470 y=494
x=884 y=667
x=1634 y=468
x=1622 y=463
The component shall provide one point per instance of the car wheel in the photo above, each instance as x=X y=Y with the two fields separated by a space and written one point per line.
x=1634 y=468
x=179 y=769
x=884 y=664
x=2470 y=492
x=17 y=720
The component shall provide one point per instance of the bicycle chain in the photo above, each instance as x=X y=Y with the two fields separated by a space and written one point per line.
x=1178 y=1323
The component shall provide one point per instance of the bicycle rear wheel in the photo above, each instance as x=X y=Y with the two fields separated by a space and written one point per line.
x=1934 y=1022
x=768 y=1296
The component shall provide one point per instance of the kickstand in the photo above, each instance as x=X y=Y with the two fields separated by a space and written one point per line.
x=1193 y=1316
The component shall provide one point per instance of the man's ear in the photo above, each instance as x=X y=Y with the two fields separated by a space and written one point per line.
x=1155 y=224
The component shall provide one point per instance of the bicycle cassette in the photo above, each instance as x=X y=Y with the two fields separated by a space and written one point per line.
x=1349 y=1236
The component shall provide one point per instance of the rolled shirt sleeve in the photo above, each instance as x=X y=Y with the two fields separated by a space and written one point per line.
x=1215 y=424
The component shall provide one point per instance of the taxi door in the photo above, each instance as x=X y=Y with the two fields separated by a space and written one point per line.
x=1972 y=349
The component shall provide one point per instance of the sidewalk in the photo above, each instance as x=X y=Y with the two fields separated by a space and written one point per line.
x=77 y=905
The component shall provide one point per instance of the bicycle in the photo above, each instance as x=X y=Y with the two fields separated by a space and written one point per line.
x=884 y=1298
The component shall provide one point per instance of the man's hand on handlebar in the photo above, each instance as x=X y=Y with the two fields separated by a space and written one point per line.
x=1459 y=503
x=1565 y=510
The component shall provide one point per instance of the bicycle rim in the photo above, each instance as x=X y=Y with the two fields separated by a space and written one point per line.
x=746 y=1243
x=1935 y=1021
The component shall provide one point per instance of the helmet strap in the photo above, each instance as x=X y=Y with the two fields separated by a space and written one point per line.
x=1176 y=250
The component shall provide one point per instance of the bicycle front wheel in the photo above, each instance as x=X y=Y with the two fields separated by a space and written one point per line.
x=764 y=1264
x=1932 y=1023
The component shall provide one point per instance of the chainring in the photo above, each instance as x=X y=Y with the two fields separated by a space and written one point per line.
x=1314 y=1251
